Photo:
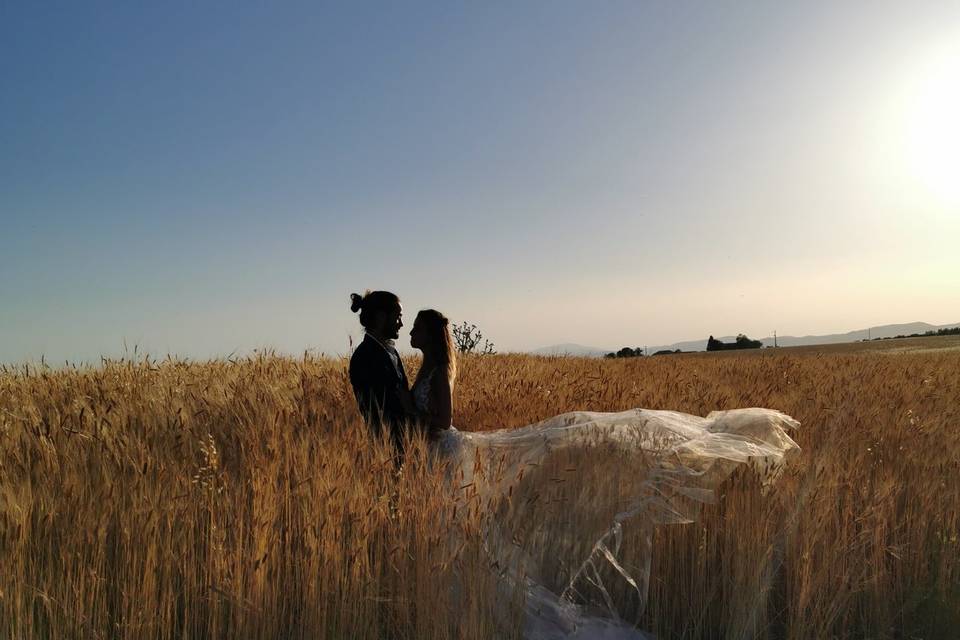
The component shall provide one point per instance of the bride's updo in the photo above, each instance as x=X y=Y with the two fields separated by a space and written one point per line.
x=441 y=342
x=371 y=303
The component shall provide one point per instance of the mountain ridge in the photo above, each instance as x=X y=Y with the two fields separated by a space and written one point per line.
x=880 y=331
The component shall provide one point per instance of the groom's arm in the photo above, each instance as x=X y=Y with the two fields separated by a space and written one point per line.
x=368 y=392
x=407 y=404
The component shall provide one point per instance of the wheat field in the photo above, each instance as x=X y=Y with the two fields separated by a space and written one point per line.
x=243 y=499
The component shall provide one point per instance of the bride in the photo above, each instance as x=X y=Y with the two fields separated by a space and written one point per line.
x=661 y=466
x=433 y=388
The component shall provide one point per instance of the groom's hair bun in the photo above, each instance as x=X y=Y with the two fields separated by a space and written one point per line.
x=371 y=303
x=356 y=302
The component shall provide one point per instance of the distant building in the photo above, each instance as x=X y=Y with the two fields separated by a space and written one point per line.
x=742 y=342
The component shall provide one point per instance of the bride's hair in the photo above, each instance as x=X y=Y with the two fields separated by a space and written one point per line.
x=441 y=342
x=371 y=303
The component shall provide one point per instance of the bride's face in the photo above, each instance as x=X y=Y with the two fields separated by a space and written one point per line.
x=417 y=337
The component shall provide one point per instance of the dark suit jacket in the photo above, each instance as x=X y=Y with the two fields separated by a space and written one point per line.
x=377 y=385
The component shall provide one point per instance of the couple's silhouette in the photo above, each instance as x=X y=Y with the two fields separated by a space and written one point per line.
x=673 y=461
x=380 y=385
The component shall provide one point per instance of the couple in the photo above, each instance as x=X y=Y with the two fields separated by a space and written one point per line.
x=379 y=380
x=678 y=460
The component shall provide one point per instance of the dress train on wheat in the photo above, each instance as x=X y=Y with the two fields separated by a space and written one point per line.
x=674 y=461
x=634 y=469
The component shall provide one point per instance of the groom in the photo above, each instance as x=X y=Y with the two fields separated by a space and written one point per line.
x=376 y=371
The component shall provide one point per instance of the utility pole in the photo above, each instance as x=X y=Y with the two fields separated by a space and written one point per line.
x=774 y=338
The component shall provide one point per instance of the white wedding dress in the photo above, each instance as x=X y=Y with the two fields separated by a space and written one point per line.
x=667 y=464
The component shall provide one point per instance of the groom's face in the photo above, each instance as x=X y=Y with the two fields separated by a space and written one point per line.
x=392 y=323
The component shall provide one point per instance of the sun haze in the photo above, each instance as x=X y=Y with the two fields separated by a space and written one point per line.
x=198 y=180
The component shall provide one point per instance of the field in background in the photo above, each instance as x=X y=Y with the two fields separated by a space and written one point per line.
x=242 y=499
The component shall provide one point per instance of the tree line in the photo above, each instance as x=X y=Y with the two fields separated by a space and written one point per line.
x=952 y=331
x=742 y=342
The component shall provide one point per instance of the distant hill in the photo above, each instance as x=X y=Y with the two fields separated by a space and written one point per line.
x=884 y=331
x=570 y=349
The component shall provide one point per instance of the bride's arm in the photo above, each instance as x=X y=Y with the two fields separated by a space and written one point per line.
x=441 y=404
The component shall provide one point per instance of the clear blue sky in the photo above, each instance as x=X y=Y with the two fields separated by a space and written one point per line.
x=200 y=178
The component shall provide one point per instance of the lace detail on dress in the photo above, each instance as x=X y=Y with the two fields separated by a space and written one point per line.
x=421 y=391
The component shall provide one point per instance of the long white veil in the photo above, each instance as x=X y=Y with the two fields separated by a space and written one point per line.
x=640 y=468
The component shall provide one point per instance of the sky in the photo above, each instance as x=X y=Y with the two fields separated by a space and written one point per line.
x=200 y=179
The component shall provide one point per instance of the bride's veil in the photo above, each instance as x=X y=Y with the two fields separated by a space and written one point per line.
x=565 y=489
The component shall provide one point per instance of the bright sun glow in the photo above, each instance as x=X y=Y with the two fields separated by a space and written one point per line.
x=933 y=126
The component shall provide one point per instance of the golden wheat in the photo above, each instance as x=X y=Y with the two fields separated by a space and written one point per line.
x=243 y=499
